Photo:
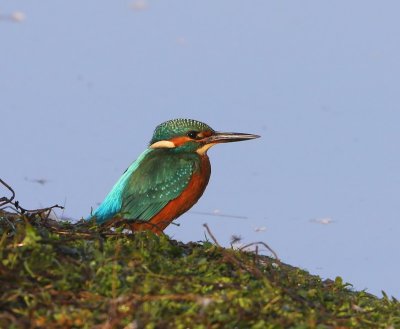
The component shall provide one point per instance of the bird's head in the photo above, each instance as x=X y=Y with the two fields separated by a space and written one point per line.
x=189 y=135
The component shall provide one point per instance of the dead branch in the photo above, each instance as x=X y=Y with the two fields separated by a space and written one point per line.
x=15 y=205
x=5 y=200
x=211 y=235
x=263 y=244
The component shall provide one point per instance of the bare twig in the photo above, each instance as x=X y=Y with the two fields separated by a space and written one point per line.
x=5 y=200
x=211 y=235
x=18 y=208
x=231 y=258
x=263 y=244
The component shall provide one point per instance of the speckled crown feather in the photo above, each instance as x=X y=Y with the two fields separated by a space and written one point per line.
x=177 y=127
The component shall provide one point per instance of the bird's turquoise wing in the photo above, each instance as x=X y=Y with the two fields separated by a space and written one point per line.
x=112 y=203
x=160 y=178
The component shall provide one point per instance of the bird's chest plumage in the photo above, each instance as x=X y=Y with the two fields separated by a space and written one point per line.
x=195 y=188
x=185 y=200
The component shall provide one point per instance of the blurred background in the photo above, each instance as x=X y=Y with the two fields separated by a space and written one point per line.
x=83 y=85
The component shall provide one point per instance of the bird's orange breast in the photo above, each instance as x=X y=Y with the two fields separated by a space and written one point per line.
x=182 y=203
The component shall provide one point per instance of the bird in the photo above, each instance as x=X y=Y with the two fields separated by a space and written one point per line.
x=167 y=179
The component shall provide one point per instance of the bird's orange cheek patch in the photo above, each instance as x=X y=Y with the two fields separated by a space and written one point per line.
x=178 y=141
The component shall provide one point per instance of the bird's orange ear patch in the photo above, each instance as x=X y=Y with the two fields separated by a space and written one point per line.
x=178 y=141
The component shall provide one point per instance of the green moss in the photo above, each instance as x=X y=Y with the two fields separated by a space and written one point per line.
x=64 y=276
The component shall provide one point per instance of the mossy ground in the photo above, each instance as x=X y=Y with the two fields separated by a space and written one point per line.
x=72 y=278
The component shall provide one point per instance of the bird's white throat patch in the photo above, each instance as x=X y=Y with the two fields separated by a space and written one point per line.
x=203 y=150
x=162 y=144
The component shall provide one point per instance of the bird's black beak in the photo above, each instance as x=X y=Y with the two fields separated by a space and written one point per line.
x=221 y=137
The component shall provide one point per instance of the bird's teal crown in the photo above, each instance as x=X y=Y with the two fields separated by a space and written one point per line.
x=177 y=127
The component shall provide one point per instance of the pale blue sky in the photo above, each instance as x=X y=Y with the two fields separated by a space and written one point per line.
x=83 y=84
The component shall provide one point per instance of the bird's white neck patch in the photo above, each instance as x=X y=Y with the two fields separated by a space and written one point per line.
x=163 y=145
x=203 y=150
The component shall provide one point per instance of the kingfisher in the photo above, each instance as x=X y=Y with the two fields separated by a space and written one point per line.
x=167 y=179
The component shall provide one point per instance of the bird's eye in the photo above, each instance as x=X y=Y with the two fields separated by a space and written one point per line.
x=192 y=134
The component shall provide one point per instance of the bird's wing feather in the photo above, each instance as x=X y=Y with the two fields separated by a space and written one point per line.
x=160 y=178
x=112 y=203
